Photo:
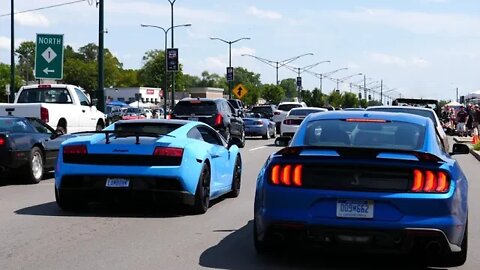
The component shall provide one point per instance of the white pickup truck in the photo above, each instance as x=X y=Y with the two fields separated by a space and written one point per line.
x=282 y=110
x=63 y=106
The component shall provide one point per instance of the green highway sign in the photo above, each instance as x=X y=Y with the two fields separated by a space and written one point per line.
x=49 y=57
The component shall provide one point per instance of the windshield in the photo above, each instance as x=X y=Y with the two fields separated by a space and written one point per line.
x=288 y=107
x=14 y=125
x=384 y=134
x=195 y=108
x=45 y=95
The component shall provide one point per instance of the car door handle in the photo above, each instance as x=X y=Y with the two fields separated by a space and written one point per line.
x=83 y=111
x=214 y=156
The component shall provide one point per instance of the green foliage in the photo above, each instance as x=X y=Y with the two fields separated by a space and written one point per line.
x=374 y=103
x=476 y=147
x=191 y=81
x=212 y=80
x=251 y=98
x=273 y=94
x=127 y=78
x=335 y=99
x=152 y=72
x=26 y=60
x=290 y=87
x=350 y=100
x=5 y=79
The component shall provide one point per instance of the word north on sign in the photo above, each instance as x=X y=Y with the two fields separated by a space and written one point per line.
x=49 y=56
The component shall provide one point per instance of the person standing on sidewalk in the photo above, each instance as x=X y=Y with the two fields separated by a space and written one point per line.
x=462 y=118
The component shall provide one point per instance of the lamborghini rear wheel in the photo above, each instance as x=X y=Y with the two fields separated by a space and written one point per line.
x=202 y=193
x=236 y=178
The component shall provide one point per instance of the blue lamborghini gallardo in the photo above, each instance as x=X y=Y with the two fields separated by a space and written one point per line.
x=164 y=160
x=365 y=181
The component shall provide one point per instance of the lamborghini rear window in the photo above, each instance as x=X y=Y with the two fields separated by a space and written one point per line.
x=157 y=128
x=379 y=134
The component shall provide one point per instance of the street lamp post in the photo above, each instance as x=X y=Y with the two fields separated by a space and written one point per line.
x=346 y=78
x=165 y=56
x=12 y=55
x=325 y=74
x=277 y=64
x=173 y=72
x=230 y=57
x=299 y=71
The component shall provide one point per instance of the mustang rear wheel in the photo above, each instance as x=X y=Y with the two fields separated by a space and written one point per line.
x=202 y=194
x=236 y=178
x=33 y=171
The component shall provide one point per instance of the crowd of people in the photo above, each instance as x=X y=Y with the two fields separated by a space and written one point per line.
x=464 y=120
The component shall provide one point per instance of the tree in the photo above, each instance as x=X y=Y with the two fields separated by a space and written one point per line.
x=152 y=72
x=290 y=87
x=191 y=81
x=350 y=100
x=5 y=79
x=318 y=99
x=26 y=59
x=251 y=98
x=212 y=80
x=335 y=98
x=127 y=78
x=272 y=93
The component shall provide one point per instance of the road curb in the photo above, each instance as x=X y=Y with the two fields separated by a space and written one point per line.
x=474 y=153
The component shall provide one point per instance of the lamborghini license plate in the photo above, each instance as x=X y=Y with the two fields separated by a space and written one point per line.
x=117 y=182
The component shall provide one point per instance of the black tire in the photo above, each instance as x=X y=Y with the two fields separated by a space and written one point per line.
x=261 y=246
x=202 y=193
x=69 y=203
x=236 y=178
x=241 y=144
x=274 y=133
x=99 y=126
x=33 y=171
x=61 y=129
x=458 y=258
x=266 y=136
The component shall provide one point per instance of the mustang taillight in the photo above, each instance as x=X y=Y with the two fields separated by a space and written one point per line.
x=75 y=149
x=218 y=119
x=168 y=152
x=430 y=181
x=286 y=175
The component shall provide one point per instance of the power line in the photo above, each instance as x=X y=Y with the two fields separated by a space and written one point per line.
x=47 y=7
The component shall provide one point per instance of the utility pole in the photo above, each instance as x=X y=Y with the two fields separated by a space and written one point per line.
x=457 y=95
x=12 y=54
x=365 y=86
x=381 y=92
x=173 y=72
x=101 y=32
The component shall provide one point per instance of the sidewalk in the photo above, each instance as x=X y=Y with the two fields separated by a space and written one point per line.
x=468 y=141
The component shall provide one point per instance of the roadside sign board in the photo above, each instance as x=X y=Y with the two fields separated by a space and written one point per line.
x=172 y=60
x=229 y=74
x=49 y=56
x=7 y=89
x=239 y=91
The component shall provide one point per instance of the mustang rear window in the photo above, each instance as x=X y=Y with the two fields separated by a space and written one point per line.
x=385 y=135
x=160 y=129
x=197 y=108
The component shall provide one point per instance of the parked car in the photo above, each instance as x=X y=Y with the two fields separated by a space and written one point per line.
x=217 y=113
x=257 y=124
x=282 y=110
x=365 y=182
x=63 y=106
x=28 y=147
x=133 y=113
x=425 y=112
x=167 y=160
x=295 y=117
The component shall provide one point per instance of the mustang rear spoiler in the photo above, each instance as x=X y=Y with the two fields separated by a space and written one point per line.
x=123 y=133
x=360 y=152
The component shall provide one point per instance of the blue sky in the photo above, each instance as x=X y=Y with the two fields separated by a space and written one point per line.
x=423 y=48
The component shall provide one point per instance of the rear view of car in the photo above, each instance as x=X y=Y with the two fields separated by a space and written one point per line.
x=376 y=182
x=256 y=124
x=294 y=118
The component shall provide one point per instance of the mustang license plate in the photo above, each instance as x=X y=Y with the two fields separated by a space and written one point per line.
x=355 y=208
x=117 y=182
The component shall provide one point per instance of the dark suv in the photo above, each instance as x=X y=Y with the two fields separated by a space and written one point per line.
x=266 y=110
x=217 y=113
x=238 y=104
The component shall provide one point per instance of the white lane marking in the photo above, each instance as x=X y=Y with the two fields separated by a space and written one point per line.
x=257 y=148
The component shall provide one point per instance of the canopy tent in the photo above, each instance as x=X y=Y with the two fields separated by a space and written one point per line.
x=117 y=103
x=453 y=104
x=137 y=104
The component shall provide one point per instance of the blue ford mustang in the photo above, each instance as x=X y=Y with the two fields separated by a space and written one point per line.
x=172 y=160
x=375 y=181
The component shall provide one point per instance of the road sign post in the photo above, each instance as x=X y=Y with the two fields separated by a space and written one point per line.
x=49 y=57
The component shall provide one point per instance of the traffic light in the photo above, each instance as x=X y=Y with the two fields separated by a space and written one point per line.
x=369 y=97
x=359 y=95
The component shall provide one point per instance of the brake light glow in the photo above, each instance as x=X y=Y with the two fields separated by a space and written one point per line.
x=79 y=149
x=44 y=116
x=168 y=152
x=286 y=175
x=276 y=113
x=218 y=119
x=2 y=141
x=360 y=120
x=430 y=181
x=44 y=86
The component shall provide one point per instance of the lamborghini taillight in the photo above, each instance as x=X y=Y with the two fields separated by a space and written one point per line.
x=79 y=149
x=168 y=152
x=289 y=175
x=429 y=181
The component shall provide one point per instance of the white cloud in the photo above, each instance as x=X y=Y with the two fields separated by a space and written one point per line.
x=243 y=50
x=418 y=22
x=33 y=19
x=215 y=64
x=264 y=14
x=392 y=60
x=4 y=43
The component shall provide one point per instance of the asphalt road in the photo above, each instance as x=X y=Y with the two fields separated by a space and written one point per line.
x=36 y=234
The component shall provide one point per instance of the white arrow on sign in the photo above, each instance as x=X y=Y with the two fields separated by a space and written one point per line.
x=46 y=70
